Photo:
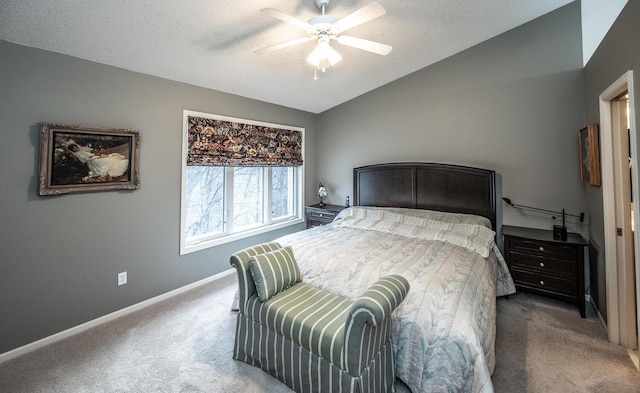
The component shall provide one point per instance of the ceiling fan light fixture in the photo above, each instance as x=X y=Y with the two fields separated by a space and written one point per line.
x=324 y=56
x=324 y=28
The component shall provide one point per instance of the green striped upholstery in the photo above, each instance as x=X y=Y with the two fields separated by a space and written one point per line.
x=315 y=341
x=369 y=322
x=240 y=261
x=379 y=301
x=304 y=371
x=274 y=272
x=310 y=317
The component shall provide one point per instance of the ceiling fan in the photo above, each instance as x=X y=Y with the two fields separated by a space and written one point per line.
x=325 y=28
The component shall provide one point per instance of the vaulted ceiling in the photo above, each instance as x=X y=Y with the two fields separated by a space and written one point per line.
x=213 y=43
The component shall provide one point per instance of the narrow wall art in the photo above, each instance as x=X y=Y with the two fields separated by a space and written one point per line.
x=589 y=155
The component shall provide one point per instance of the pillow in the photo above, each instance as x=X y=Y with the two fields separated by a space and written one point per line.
x=274 y=271
x=452 y=218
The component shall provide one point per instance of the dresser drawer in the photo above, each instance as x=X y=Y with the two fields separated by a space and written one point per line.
x=321 y=215
x=557 y=251
x=545 y=265
x=544 y=282
x=316 y=223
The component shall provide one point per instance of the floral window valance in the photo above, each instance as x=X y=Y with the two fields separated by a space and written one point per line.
x=226 y=143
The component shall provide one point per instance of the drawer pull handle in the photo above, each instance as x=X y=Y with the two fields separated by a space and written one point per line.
x=541 y=264
x=541 y=248
x=541 y=282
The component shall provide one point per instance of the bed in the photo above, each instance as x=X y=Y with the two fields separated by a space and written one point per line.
x=405 y=220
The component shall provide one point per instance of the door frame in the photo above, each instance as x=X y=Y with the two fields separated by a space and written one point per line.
x=622 y=310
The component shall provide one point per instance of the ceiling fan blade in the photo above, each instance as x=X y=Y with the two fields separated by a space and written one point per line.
x=364 y=14
x=289 y=19
x=370 y=46
x=285 y=44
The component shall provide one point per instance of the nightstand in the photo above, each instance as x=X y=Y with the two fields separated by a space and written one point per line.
x=317 y=215
x=543 y=265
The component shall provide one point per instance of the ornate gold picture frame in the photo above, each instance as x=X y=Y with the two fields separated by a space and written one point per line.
x=86 y=159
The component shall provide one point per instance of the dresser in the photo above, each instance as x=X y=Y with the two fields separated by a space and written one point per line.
x=317 y=215
x=543 y=265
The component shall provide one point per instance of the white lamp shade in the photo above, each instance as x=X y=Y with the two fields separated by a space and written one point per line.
x=324 y=56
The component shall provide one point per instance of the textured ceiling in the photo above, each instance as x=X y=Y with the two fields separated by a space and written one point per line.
x=212 y=43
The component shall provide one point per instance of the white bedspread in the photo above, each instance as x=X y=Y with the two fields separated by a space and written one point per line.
x=444 y=331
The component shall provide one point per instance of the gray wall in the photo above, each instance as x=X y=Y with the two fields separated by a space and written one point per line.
x=512 y=104
x=60 y=255
x=618 y=53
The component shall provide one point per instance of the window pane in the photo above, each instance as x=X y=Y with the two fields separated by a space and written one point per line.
x=282 y=189
x=204 y=200
x=248 y=195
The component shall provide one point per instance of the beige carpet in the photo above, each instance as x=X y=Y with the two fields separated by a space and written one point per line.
x=185 y=344
x=543 y=345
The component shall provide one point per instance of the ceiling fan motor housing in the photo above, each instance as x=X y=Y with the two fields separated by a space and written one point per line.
x=327 y=19
x=323 y=24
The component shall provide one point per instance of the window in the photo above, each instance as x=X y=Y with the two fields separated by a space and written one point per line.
x=204 y=202
x=282 y=192
x=226 y=203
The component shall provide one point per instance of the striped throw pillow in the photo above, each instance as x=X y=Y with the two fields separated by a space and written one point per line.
x=274 y=271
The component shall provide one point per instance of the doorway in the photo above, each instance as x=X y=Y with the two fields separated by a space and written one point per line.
x=619 y=140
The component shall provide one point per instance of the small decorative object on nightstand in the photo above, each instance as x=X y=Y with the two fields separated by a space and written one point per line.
x=322 y=193
x=321 y=215
x=542 y=264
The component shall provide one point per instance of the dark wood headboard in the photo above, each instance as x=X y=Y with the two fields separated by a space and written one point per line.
x=442 y=187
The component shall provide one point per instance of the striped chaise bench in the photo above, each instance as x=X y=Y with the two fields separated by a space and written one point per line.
x=310 y=339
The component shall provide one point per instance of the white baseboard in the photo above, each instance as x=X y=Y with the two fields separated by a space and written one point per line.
x=633 y=354
x=590 y=301
x=107 y=318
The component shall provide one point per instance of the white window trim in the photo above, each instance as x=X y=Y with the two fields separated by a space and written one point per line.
x=212 y=242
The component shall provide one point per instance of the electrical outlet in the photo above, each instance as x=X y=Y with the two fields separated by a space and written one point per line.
x=122 y=278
